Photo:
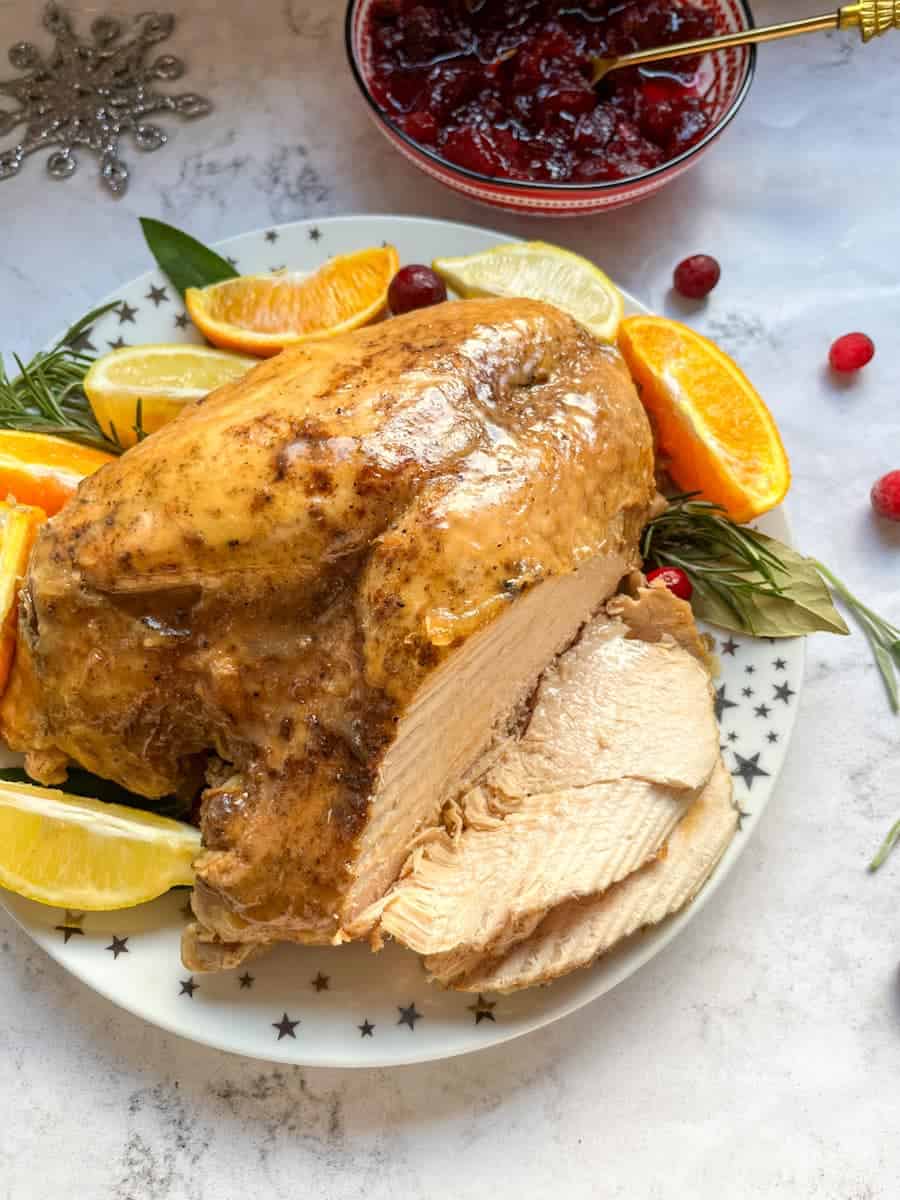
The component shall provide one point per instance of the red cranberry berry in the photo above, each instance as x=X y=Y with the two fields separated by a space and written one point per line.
x=886 y=496
x=695 y=277
x=415 y=287
x=675 y=580
x=851 y=352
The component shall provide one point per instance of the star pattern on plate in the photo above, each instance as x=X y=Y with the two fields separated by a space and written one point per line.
x=158 y=295
x=779 y=664
x=747 y=691
x=315 y=234
x=182 y=320
x=722 y=702
x=750 y=670
x=320 y=983
x=126 y=313
x=367 y=1029
x=748 y=769
x=772 y=736
x=275 y=270
x=271 y=235
x=732 y=736
x=232 y=262
x=118 y=946
x=742 y=816
x=246 y=980
x=730 y=647
x=285 y=1027
x=783 y=692
x=762 y=710
x=188 y=987
x=118 y=343
x=409 y=1015
x=71 y=925
x=82 y=343
x=483 y=1009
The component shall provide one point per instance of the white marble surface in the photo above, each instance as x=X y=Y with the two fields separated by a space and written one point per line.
x=759 y=1056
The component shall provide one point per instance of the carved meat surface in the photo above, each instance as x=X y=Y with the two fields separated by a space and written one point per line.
x=327 y=590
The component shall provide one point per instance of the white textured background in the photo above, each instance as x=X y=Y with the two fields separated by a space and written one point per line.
x=760 y=1055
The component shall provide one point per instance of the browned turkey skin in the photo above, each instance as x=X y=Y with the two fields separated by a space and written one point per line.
x=327 y=589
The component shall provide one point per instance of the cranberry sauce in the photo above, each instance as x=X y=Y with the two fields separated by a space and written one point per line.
x=503 y=88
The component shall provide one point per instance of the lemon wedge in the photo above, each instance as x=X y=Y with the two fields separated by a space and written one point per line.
x=83 y=854
x=539 y=271
x=163 y=378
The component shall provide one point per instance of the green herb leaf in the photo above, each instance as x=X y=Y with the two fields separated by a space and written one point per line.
x=47 y=395
x=82 y=783
x=743 y=579
x=886 y=847
x=187 y=262
x=802 y=603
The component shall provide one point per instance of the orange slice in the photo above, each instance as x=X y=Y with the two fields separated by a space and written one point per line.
x=261 y=314
x=19 y=524
x=40 y=469
x=710 y=421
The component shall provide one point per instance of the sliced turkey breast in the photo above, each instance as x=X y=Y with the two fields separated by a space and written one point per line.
x=620 y=741
x=576 y=933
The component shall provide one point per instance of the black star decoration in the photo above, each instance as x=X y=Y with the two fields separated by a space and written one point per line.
x=772 y=736
x=246 y=980
x=157 y=295
x=732 y=737
x=71 y=925
x=272 y=236
x=125 y=312
x=783 y=692
x=483 y=1010
x=320 y=983
x=749 y=670
x=182 y=320
x=275 y=270
x=409 y=1016
x=762 y=710
x=118 y=344
x=748 y=692
x=118 y=946
x=82 y=344
x=748 y=768
x=285 y=1027
x=742 y=817
x=722 y=702
x=367 y=1029
x=730 y=647
x=315 y=234
x=780 y=664
x=188 y=987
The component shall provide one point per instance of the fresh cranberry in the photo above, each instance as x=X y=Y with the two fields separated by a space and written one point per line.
x=675 y=580
x=695 y=277
x=886 y=496
x=415 y=286
x=489 y=152
x=851 y=352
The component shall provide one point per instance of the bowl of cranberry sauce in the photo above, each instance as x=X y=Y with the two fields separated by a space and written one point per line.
x=494 y=97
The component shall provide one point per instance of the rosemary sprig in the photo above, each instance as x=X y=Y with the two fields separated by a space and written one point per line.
x=886 y=847
x=725 y=561
x=47 y=395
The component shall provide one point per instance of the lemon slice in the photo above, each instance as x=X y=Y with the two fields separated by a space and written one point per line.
x=83 y=854
x=164 y=378
x=539 y=271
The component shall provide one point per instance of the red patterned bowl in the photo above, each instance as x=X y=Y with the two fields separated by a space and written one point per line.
x=731 y=75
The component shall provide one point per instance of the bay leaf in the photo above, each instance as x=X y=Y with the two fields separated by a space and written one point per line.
x=187 y=262
x=804 y=605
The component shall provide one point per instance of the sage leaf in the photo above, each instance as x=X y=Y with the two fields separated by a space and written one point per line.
x=886 y=847
x=802 y=603
x=187 y=262
x=886 y=667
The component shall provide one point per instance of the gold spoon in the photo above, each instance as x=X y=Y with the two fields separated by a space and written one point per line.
x=871 y=17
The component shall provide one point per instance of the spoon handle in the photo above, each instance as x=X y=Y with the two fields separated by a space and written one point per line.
x=871 y=17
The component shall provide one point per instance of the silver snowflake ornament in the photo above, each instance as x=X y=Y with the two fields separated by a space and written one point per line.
x=89 y=92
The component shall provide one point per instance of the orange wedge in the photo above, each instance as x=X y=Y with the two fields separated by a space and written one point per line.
x=261 y=314
x=40 y=469
x=19 y=524
x=710 y=422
